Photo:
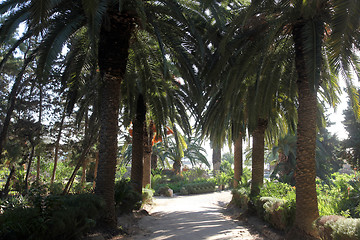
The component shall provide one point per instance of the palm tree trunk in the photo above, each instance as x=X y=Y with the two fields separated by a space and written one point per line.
x=216 y=159
x=148 y=135
x=57 y=146
x=238 y=161
x=114 y=42
x=306 y=197
x=138 y=145
x=257 y=177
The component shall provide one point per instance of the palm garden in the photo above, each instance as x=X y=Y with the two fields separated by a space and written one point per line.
x=81 y=75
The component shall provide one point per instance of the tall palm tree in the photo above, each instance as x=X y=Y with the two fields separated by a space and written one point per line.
x=110 y=25
x=319 y=35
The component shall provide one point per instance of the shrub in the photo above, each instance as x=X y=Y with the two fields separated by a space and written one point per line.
x=56 y=188
x=195 y=173
x=200 y=187
x=126 y=198
x=57 y=217
x=278 y=212
x=277 y=204
x=147 y=195
x=337 y=227
x=240 y=198
x=13 y=202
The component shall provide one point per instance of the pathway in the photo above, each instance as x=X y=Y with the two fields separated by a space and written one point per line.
x=192 y=217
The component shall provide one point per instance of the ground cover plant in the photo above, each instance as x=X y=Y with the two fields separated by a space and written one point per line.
x=339 y=196
x=49 y=217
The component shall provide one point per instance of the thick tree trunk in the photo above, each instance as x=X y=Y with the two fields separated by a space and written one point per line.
x=108 y=148
x=138 y=145
x=148 y=135
x=257 y=177
x=57 y=146
x=238 y=161
x=114 y=42
x=306 y=197
x=216 y=159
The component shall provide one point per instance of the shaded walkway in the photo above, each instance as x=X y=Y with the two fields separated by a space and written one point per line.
x=192 y=217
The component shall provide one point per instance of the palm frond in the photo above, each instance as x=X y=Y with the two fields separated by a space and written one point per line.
x=56 y=38
x=12 y=22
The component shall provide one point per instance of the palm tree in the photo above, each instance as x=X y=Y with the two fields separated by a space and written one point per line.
x=319 y=35
x=110 y=25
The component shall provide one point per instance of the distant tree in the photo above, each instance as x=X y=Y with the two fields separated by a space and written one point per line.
x=327 y=156
x=352 y=143
x=229 y=157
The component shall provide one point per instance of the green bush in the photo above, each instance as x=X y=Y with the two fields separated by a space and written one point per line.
x=338 y=228
x=56 y=188
x=278 y=212
x=191 y=175
x=13 y=202
x=200 y=187
x=126 y=199
x=340 y=195
x=57 y=217
x=147 y=195
x=240 y=197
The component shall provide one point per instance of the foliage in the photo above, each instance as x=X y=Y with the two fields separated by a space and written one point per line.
x=225 y=167
x=242 y=192
x=277 y=190
x=147 y=195
x=352 y=143
x=277 y=204
x=194 y=173
x=224 y=180
x=339 y=195
x=126 y=198
x=229 y=157
x=344 y=228
x=226 y=176
x=284 y=156
x=197 y=187
x=193 y=181
x=51 y=217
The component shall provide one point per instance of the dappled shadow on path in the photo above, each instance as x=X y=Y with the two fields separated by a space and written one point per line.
x=204 y=223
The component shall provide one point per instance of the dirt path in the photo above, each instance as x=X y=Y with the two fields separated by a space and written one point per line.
x=192 y=217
